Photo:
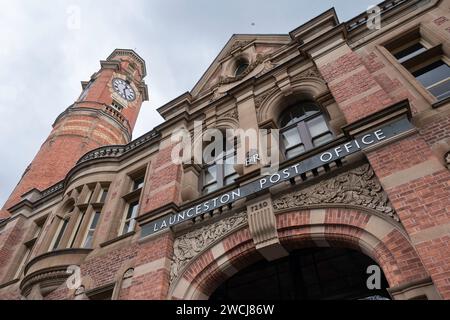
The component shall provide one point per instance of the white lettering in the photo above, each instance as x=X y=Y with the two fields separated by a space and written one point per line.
x=277 y=176
x=337 y=151
x=286 y=173
x=262 y=182
x=225 y=196
x=348 y=146
x=380 y=135
x=364 y=139
x=190 y=214
x=325 y=157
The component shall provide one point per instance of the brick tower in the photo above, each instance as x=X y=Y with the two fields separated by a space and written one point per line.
x=104 y=114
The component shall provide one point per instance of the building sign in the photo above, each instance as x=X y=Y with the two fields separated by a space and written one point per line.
x=359 y=143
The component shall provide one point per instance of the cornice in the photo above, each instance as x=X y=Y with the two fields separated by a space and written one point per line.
x=131 y=53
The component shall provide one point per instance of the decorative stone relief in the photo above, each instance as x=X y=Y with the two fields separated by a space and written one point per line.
x=189 y=245
x=358 y=187
x=259 y=59
x=238 y=45
x=231 y=114
x=262 y=97
x=310 y=73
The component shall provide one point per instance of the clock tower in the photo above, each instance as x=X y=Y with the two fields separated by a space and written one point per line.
x=104 y=114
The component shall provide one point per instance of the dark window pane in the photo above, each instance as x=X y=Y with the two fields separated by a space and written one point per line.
x=231 y=179
x=210 y=174
x=295 y=151
x=442 y=90
x=410 y=52
x=210 y=188
x=291 y=138
x=138 y=183
x=132 y=210
x=298 y=112
x=104 y=194
x=60 y=234
x=317 y=126
x=433 y=73
x=240 y=69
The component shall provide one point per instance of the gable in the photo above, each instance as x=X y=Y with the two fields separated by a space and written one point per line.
x=254 y=50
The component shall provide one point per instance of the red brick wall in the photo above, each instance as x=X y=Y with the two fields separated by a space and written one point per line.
x=421 y=203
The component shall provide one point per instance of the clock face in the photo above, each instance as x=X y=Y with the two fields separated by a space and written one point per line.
x=124 y=89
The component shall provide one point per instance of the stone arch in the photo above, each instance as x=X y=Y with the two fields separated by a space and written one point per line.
x=376 y=236
x=308 y=88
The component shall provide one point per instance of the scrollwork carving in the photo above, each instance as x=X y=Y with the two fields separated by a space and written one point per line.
x=358 y=187
x=193 y=243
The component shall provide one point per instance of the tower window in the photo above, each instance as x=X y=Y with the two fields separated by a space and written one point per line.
x=303 y=127
x=117 y=106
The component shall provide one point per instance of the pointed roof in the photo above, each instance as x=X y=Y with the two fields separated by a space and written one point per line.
x=234 y=45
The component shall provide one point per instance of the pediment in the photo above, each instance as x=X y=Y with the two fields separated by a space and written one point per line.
x=256 y=50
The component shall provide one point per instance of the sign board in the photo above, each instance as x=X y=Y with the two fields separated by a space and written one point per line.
x=358 y=144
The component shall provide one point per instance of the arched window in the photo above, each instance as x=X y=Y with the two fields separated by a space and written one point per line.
x=241 y=66
x=303 y=127
x=220 y=172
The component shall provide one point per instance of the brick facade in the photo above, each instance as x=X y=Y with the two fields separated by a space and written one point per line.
x=359 y=85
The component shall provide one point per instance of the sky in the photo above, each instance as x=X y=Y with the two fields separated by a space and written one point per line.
x=48 y=46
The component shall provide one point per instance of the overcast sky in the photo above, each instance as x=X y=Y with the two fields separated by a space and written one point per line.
x=45 y=51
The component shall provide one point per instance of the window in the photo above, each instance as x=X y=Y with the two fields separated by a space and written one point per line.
x=138 y=183
x=427 y=63
x=117 y=106
x=61 y=229
x=22 y=263
x=303 y=127
x=241 y=66
x=76 y=230
x=131 y=199
x=220 y=173
x=130 y=219
x=103 y=194
x=86 y=90
x=90 y=231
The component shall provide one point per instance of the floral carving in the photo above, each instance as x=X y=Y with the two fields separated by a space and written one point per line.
x=226 y=80
x=309 y=73
x=262 y=97
x=193 y=243
x=231 y=114
x=358 y=187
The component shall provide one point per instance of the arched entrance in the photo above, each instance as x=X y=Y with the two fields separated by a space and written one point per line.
x=307 y=274
x=208 y=257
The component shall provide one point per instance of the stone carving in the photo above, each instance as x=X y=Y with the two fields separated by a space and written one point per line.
x=310 y=73
x=216 y=95
x=231 y=114
x=193 y=243
x=226 y=80
x=238 y=45
x=358 y=187
x=262 y=97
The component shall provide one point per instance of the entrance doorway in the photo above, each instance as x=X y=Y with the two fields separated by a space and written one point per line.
x=307 y=274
